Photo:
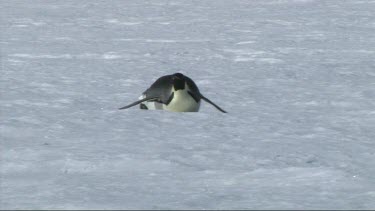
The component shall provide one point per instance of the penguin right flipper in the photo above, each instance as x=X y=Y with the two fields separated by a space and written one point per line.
x=209 y=101
x=139 y=101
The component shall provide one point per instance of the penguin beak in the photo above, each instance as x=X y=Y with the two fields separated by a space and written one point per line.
x=175 y=78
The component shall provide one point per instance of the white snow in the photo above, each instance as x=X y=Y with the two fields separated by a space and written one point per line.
x=297 y=78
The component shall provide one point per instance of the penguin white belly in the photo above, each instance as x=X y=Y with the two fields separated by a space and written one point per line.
x=182 y=102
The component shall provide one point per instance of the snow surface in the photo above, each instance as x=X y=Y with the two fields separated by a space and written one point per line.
x=296 y=76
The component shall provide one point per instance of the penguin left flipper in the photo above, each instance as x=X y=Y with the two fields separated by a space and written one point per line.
x=210 y=102
x=139 y=101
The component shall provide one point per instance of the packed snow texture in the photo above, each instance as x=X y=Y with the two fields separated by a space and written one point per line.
x=297 y=78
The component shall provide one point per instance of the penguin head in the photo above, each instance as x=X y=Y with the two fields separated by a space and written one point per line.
x=178 y=81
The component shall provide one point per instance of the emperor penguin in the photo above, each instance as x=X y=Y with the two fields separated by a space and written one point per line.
x=175 y=92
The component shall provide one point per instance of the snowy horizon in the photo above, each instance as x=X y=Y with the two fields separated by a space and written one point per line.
x=297 y=78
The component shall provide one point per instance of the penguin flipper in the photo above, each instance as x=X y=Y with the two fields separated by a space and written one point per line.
x=139 y=101
x=210 y=102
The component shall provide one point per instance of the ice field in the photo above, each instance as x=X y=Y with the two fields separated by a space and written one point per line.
x=297 y=78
